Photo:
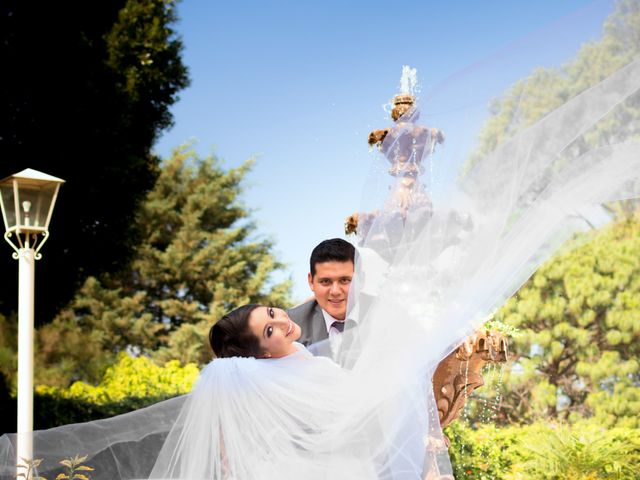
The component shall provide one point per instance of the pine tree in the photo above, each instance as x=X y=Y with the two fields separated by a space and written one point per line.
x=200 y=257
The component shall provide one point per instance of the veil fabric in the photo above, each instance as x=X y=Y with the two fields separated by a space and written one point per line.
x=428 y=272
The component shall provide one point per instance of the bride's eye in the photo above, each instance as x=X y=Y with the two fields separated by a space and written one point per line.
x=269 y=331
x=272 y=313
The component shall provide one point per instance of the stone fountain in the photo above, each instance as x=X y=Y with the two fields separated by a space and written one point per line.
x=459 y=373
x=405 y=145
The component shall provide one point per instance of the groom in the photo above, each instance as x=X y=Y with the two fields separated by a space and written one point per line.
x=324 y=317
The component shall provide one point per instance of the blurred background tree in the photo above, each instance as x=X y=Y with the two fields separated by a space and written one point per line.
x=89 y=91
x=531 y=98
x=579 y=315
x=577 y=357
x=567 y=404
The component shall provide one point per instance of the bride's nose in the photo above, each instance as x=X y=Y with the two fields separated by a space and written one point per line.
x=283 y=319
x=283 y=324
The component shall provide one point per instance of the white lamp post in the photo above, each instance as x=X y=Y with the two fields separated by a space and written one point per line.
x=27 y=199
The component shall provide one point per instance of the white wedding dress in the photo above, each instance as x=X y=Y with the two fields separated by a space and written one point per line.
x=435 y=275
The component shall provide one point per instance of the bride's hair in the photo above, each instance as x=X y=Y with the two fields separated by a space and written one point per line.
x=231 y=336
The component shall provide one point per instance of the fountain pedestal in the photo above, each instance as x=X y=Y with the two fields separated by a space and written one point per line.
x=405 y=145
x=458 y=374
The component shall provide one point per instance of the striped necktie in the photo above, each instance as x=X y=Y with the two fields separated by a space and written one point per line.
x=338 y=326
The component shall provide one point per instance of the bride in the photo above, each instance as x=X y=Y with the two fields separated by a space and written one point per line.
x=267 y=409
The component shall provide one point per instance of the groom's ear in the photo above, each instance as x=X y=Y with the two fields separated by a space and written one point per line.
x=310 y=280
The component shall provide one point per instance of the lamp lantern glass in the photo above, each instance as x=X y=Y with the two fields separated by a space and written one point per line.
x=27 y=200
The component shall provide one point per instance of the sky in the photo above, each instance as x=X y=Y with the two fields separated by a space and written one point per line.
x=298 y=85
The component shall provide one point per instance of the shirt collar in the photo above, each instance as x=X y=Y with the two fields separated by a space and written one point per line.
x=328 y=319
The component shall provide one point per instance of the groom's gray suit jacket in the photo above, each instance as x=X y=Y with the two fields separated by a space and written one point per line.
x=309 y=316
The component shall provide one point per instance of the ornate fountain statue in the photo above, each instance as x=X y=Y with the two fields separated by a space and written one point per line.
x=406 y=145
x=408 y=207
x=459 y=373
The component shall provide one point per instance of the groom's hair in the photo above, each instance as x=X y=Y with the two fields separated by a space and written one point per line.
x=231 y=336
x=332 y=250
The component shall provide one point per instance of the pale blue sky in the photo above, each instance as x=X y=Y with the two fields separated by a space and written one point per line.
x=301 y=83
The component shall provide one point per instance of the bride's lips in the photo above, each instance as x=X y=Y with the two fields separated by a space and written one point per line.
x=290 y=329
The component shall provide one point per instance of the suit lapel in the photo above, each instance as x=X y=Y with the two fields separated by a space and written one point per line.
x=318 y=326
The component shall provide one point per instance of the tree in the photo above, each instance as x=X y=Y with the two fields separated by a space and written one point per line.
x=546 y=89
x=199 y=259
x=532 y=97
x=89 y=90
x=8 y=344
x=8 y=371
x=575 y=359
x=579 y=316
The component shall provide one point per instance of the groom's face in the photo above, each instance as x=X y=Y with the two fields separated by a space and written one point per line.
x=330 y=286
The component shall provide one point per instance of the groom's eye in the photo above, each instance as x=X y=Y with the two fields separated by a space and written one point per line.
x=272 y=313
x=269 y=331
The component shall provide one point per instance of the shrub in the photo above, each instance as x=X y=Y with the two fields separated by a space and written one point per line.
x=130 y=384
x=544 y=451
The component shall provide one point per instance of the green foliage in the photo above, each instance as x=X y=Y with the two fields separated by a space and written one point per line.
x=496 y=325
x=86 y=336
x=531 y=98
x=590 y=452
x=8 y=350
x=579 y=318
x=27 y=469
x=576 y=357
x=546 y=89
x=131 y=378
x=90 y=91
x=143 y=49
x=487 y=453
x=72 y=467
x=198 y=259
x=543 y=451
x=129 y=384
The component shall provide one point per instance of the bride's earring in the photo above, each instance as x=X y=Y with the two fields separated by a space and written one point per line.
x=267 y=355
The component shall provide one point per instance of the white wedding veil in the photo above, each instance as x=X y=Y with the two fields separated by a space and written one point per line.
x=426 y=277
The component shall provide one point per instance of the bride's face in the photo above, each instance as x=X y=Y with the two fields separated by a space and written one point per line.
x=275 y=330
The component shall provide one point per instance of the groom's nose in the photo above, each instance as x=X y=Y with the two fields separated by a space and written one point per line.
x=335 y=288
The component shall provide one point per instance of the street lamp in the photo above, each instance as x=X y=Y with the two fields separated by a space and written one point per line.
x=27 y=199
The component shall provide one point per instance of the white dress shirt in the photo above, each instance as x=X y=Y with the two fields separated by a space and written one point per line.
x=335 y=335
